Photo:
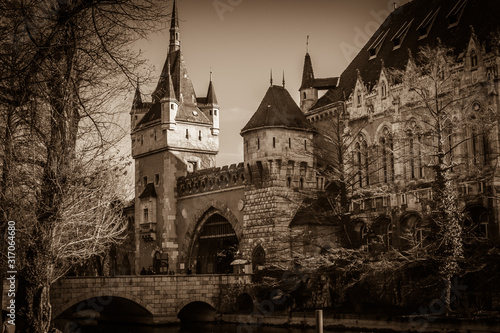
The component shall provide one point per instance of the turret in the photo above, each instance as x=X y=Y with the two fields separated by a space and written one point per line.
x=175 y=42
x=213 y=108
x=278 y=143
x=138 y=110
x=308 y=93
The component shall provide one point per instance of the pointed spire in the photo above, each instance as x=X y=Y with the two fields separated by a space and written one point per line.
x=137 y=103
x=167 y=88
x=175 y=43
x=283 y=78
x=271 y=77
x=174 y=23
x=307 y=73
x=307 y=44
x=211 y=97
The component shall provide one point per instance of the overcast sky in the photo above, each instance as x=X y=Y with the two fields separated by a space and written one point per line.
x=241 y=40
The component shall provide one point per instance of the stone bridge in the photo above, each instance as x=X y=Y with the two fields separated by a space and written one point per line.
x=147 y=299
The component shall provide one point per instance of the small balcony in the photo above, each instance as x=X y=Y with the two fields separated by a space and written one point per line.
x=148 y=231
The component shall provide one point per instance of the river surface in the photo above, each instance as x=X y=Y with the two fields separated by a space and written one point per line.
x=198 y=328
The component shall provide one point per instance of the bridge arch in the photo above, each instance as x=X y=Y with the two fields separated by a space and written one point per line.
x=102 y=299
x=184 y=303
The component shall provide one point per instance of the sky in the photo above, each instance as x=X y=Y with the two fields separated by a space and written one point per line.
x=241 y=41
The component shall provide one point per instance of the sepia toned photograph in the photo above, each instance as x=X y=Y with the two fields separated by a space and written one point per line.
x=250 y=166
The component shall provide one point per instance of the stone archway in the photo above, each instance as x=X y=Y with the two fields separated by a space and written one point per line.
x=189 y=247
x=213 y=245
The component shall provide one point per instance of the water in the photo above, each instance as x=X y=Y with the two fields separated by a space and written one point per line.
x=195 y=328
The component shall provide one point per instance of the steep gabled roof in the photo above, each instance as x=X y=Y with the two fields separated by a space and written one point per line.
x=277 y=109
x=434 y=19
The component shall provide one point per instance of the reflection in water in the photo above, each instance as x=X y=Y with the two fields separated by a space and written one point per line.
x=194 y=328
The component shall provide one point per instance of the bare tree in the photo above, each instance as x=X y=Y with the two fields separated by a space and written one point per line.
x=444 y=122
x=62 y=61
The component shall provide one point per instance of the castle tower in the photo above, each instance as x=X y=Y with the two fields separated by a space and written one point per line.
x=308 y=93
x=171 y=137
x=280 y=168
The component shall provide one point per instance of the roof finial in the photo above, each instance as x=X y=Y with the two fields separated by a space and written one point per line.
x=271 y=77
x=283 y=78
x=210 y=73
x=307 y=44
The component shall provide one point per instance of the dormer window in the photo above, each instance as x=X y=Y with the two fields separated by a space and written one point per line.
x=426 y=25
x=473 y=59
x=456 y=13
x=376 y=45
x=400 y=35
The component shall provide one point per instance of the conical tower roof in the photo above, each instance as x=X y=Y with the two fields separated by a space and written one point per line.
x=307 y=73
x=211 y=97
x=278 y=109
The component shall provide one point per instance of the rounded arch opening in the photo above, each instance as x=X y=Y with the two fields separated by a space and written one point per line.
x=105 y=309
x=214 y=247
x=244 y=303
x=258 y=258
x=197 y=311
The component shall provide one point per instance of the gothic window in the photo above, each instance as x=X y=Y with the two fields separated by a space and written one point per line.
x=362 y=162
x=384 y=90
x=414 y=163
x=478 y=141
x=449 y=143
x=473 y=59
x=358 y=99
x=387 y=157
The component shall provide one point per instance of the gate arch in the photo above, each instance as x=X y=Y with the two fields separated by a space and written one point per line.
x=216 y=234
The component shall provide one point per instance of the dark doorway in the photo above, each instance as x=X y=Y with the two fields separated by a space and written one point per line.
x=215 y=247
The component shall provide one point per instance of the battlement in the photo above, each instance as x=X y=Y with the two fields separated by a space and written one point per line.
x=212 y=179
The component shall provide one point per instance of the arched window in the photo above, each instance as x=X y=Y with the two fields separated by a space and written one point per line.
x=473 y=59
x=386 y=157
x=258 y=258
x=384 y=90
x=361 y=159
x=414 y=165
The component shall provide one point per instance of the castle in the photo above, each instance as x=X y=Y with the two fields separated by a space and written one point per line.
x=193 y=217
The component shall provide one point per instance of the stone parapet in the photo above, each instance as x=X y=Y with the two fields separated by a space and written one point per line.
x=210 y=180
